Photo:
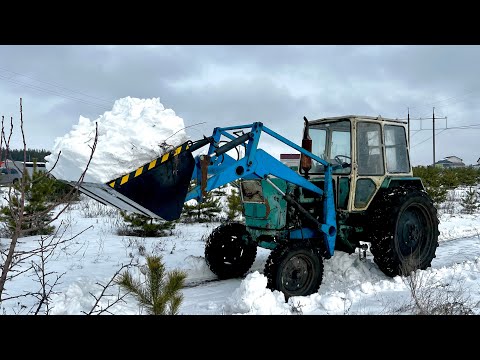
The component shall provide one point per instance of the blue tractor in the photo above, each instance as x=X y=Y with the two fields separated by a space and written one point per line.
x=353 y=185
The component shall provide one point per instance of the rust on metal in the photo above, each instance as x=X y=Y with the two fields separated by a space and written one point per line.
x=204 y=163
x=267 y=208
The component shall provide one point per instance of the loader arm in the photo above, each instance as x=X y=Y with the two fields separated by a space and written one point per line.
x=218 y=168
x=159 y=189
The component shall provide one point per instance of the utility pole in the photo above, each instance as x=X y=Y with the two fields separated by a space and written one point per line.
x=433 y=118
x=408 y=117
x=433 y=123
x=433 y=128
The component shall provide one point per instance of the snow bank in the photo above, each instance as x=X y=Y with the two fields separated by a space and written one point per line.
x=455 y=226
x=253 y=297
x=129 y=136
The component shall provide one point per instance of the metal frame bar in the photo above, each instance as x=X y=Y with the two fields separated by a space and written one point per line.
x=258 y=164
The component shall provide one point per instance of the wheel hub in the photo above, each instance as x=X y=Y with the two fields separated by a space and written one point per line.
x=232 y=252
x=297 y=273
x=411 y=233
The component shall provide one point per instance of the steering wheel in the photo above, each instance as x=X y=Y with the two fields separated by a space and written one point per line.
x=344 y=164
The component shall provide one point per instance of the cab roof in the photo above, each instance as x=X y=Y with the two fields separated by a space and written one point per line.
x=357 y=117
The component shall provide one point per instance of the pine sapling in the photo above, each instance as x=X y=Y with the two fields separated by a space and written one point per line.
x=469 y=201
x=234 y=203
x=160 y=293
x=205 y=211
x=141 y=225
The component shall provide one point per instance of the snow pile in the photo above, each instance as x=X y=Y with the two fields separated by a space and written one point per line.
x=129 y=136
x=197 y=269
x=77 y=299
x=348 y=270
x=253 y=297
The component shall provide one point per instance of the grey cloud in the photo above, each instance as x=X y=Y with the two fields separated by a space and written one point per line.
x=226 y=85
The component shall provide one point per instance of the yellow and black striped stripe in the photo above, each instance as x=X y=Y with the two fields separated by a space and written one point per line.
x=148 y=166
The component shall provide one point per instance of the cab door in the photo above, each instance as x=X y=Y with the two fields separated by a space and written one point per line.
x=370 y=168
x=340 y=153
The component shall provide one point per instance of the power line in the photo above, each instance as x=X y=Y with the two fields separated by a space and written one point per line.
x=54 y=84
x=447 y=99
x=38 y=88
x=35 y=87
x=429 y=138
x=456 y=102
x=450 y=128
x=469 y=126
x=423 y=116
x=464 y=127
x=415 y=133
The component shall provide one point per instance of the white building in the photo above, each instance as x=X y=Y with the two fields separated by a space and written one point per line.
x=450 y=162
x=291 y=160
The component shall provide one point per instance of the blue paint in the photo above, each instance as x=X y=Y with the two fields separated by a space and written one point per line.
x=258 y=164
x=303 y=233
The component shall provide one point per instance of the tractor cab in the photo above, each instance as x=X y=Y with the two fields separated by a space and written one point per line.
x=365 y=151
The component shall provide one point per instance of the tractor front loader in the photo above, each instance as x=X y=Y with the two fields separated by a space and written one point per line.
x=353 y=185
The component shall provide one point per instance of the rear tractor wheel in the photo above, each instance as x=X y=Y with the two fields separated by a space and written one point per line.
x=230 y=251
x=403 y=231
x=294 y=268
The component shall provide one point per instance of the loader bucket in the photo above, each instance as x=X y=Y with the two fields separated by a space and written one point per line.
x=156 y=189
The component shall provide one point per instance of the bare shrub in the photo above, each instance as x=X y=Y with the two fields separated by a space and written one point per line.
x=15 y=262
x=429 y=296
x=134 y=247
x=449 y=205
x=158 y=248
x=93 y=209
x=98 y=308
x=296 y=308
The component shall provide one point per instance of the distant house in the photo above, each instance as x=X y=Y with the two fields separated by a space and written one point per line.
x=450 y=162
x=291 y=160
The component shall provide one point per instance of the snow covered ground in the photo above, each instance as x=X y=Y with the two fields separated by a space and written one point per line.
x=350 y=285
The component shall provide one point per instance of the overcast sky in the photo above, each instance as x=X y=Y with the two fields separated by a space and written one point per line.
x=227 y=85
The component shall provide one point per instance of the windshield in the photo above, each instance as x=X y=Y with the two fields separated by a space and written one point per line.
x=331 y=142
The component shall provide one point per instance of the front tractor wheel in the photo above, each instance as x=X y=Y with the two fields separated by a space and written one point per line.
x=230 y=251
x=294 y=268
x=404 y=231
